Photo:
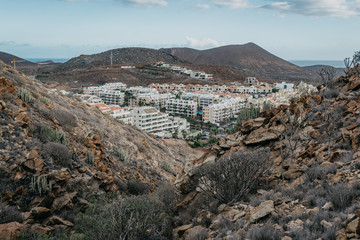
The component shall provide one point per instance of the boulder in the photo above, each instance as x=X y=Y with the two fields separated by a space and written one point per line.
x=61 y=202
x=55 y=220
x=352 y=226
x=10 y=231
x=295 y=225
x=40 y=212
x=197 y=232
x=261 y=135
x=33 y=163
x=179 y=232
x=22 y=119
x=252 y=124
x=264 y=209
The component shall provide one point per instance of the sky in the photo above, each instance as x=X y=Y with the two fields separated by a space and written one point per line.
x=290 y=29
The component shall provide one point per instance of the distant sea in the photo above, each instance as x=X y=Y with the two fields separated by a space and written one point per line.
x=305 y=63
x=57 y=60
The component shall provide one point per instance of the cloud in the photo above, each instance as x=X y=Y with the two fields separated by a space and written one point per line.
x=13 y=44
x=233 y=4
x=144 y=3
x=202 y=43
x=200 y=6
x=320 y=8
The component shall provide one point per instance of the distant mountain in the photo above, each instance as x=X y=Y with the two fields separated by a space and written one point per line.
x=8 y=58
x=248 y=57
x=136 y=56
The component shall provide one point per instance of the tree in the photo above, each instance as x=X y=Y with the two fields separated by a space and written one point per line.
x=230 y=178
x=327 y=75
x=184 y=133
x=331 y=118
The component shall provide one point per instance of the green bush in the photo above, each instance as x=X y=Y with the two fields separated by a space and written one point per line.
x=45 y=134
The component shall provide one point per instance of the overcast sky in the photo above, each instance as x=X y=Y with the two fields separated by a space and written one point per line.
x=290 y=29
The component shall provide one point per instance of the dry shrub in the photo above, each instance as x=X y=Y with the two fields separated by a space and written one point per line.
x=65 y=118
x=9 y=214
x=240 y=170
x=58 y=152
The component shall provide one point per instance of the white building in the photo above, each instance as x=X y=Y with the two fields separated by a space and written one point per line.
x=154 y=100
x=284 y=85
x=112 y=97
x=220 y=112
x=251 y=81
x=181 y=107
x=150 y=120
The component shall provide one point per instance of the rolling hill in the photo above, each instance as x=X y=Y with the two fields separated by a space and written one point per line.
x=248 y=57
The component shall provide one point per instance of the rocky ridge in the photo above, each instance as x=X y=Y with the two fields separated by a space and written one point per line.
x=314 y=194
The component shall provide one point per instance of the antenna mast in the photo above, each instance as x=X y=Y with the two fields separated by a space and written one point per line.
x=111 y=59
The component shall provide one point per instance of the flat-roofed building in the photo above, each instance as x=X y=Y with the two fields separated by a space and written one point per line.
x=181 y=107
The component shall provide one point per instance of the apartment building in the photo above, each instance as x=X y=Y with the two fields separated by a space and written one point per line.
x=95 y=90
x=181 y=107
x=201 y=99
x=251 y=81
x=151 y=120
x=154 y=99
x=284 y=85
x=220 y=112
x=112 y=97
x=91 y=99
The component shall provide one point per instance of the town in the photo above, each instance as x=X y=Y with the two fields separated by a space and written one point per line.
x=178 y=110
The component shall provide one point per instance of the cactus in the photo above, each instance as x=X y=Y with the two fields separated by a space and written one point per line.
x=123 y=155
x=90 y=157
x=40 y=185
x=25 y=95
x=45 y=100
x=61 y=136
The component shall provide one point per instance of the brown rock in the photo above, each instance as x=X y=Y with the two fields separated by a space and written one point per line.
x=55 y=220
x=40 y=212
x=22 y=119
x=32 y=154
x=264 y=209
x=295 y=225
x=61 y=202
x=179 y=232
x=252 y=124
x=293 y=173
x=34 y=165
x=6 y=86
x=194 y=232
x=352 y=226
x=261 y=135
x=317 y=98
x=10 y=231
x=355 y=84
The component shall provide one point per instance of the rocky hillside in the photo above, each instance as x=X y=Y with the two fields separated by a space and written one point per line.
x=311 y=189
x=8 y=58
x=248 y=57
x=56 y=154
